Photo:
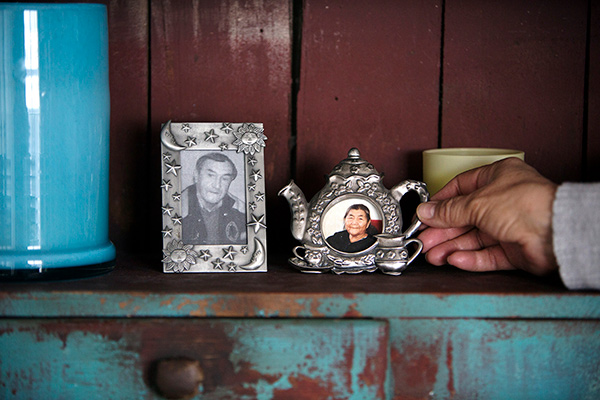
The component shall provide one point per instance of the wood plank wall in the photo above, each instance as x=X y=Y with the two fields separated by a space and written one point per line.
x=392 y=78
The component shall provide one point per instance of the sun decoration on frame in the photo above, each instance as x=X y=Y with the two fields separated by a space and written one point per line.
x=249 y=139
x=179 y=257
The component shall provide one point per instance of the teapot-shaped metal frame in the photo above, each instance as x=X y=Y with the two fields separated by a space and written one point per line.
x=353 y=181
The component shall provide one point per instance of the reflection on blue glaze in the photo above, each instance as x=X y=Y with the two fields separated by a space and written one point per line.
x=54 y=136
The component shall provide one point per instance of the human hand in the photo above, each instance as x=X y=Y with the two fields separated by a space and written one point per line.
x=496 y=217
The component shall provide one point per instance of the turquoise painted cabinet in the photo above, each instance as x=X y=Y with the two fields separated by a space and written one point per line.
x=432 y=333
x=240 y=359
x=496 y=358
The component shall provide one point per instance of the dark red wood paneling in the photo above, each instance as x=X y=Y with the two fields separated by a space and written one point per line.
x=129 y=183
x=514 y=77
x=593 y=143
x=226 y=61
x=369 y=79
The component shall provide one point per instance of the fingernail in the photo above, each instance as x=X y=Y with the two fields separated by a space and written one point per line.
x=426 y=210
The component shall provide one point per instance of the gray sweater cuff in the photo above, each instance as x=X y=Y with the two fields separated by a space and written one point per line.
x=576 y=234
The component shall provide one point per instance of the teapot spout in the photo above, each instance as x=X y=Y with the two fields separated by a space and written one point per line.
x=298 y=207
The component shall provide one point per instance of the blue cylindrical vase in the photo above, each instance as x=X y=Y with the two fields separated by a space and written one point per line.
x=54 y=141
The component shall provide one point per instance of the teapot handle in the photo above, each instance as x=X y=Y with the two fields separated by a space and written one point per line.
x=417 y=252
x=401 y=189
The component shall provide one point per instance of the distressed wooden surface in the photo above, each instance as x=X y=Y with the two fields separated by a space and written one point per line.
x=304 y=359
x=141 y=290
x=514 y=77
x=495 y=359
x=226 y=61
x=451 y=334
x=369 y=79
x=241 y=359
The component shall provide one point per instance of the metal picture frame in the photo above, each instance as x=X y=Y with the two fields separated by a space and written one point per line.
x=213 y=197
x=325 y=234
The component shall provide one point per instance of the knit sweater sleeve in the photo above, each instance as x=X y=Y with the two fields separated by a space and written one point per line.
x=576 y=234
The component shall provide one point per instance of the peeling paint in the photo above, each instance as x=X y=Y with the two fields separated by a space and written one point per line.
x=328 y=357
x=325 y=358
x=316 y=305
x=125 y=304
x=450 y=368
x=167 y=302
x=37 y=363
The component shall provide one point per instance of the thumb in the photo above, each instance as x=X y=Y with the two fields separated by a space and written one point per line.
x=448 y=213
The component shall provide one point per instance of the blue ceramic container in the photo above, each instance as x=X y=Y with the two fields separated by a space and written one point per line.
x=54 y=140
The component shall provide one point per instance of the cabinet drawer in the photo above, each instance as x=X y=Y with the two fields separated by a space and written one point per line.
x=238 y=359
x=495 y=359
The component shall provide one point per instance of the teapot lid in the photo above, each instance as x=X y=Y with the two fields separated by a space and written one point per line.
x=354 y=165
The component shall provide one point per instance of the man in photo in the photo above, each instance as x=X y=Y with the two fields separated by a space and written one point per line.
x=357 y=234
x=212 y=215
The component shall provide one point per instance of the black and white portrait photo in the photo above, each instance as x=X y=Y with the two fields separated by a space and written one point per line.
x=213 y=198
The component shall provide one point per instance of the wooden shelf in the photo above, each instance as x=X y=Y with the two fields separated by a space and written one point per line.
x=139 y=288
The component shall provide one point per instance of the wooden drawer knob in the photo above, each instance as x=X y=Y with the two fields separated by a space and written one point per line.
x=178 y=378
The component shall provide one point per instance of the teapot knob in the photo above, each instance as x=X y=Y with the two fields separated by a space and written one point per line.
x=353 y=153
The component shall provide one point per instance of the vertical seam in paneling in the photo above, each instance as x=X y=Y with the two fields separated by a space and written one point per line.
x=149 y=71
x=297 y=14
x=441 y=77
x=586 y=87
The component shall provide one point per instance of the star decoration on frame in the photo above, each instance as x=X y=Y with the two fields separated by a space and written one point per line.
x=244 y=249
x=167 y=156
x=252 y=161
x=185 y=127
x=190 y=141
x=166 y=185
x=229 y=253
x=167 y=232
x=176 y=196
x=210 y=136
x=205 y=255
x=251 y=187
x=257 y=223
x=252 y=205
x=224 y=146
x=259 y=196
x=177 y=219
x=167 y=210
x=218 y=264
x=256 y=175
x=227 y=128
x=232 y=267
x=172 y=168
